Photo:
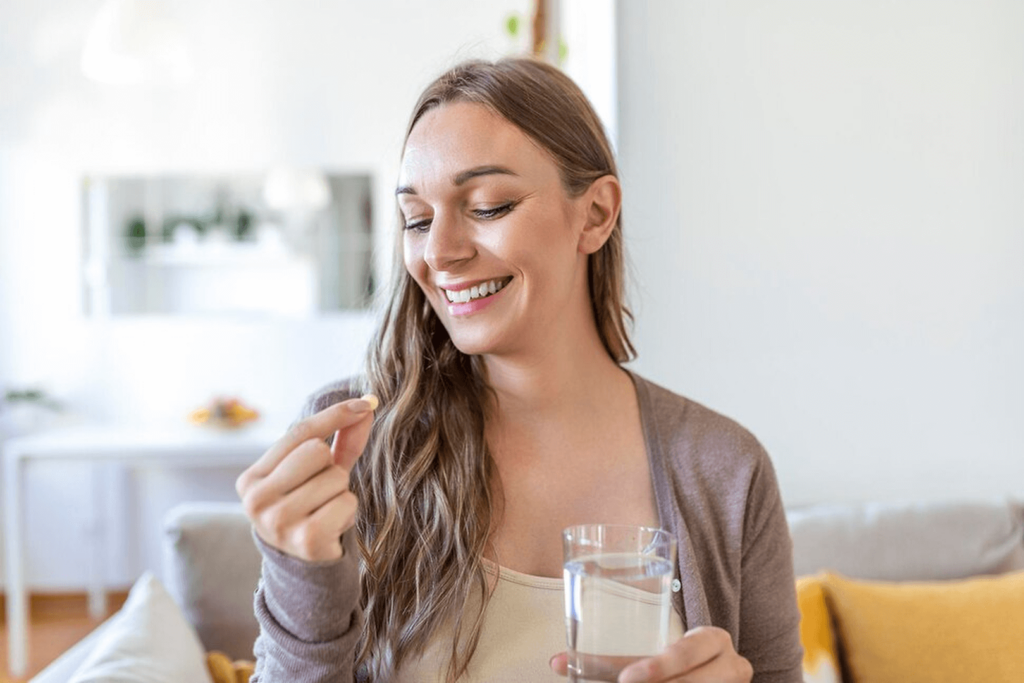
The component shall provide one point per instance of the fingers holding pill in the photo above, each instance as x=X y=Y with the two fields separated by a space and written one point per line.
x=297 y=493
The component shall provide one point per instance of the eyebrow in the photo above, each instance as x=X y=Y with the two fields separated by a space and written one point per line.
x=465 y=176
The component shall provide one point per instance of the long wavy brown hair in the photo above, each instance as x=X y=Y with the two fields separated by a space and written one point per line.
x=426 y=481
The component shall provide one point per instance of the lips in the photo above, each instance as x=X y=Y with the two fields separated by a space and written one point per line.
x=478 y=291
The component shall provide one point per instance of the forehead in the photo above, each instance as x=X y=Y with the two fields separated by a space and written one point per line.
x=455 y=137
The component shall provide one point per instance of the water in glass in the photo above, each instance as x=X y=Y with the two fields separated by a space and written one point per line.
x=617 y=608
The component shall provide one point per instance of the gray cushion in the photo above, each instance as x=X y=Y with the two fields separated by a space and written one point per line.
x=902 y=541
x=211 y=568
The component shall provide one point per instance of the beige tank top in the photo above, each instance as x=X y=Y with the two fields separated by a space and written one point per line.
x=524 y=626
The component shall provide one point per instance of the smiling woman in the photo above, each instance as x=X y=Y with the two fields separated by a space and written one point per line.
x=491 y=210
x=506 y=416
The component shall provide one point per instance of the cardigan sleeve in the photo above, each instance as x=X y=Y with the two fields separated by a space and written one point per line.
x=769 y=617
x=309 y=617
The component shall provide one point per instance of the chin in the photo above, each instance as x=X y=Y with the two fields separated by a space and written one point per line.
x=474 y=338
x=470 y=347
x=473 y=344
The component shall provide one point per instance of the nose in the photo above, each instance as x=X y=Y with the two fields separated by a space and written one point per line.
x=449 y=242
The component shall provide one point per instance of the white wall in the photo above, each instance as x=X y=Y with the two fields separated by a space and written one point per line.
x=305 y=83
x=824 y=206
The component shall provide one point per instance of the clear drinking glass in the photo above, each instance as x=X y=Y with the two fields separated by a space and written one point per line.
x=618 y=596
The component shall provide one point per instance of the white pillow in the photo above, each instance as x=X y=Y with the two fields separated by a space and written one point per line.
x=147 y=641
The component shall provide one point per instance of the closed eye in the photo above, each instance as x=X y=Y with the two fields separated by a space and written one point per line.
x=482 y=214
x=418 y=226
x=496 y=212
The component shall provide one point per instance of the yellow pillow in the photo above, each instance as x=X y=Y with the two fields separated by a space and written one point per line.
x=821 y=665
x=964 y=631
x=223 y=670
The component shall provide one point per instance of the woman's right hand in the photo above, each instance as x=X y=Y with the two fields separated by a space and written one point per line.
x=297 y=493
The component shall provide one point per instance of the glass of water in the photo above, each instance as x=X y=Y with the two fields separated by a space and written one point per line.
x=618 y=596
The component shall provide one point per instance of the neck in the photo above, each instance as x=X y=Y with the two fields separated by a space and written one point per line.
x=558 y=383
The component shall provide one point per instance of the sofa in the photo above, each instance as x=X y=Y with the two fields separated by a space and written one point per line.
x=872 y=578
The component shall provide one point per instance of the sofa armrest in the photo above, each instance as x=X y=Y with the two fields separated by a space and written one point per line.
x=211 y=568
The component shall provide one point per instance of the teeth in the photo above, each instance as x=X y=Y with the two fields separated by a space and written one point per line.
x=475 y=292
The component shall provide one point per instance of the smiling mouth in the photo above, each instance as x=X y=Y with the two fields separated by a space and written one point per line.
x=481 y=291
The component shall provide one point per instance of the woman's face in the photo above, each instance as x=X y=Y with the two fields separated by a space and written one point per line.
x=490 y=235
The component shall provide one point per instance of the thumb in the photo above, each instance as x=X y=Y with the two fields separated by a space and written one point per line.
x=560 y=664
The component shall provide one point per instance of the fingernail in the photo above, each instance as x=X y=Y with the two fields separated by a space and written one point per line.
x=364 y=404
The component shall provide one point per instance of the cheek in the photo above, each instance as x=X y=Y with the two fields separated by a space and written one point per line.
x=548 y=243
x=412 y=257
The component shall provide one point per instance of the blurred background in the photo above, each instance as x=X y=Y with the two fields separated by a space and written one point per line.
x=823 y=212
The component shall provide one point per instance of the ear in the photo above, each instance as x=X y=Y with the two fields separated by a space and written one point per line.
x=601 y=204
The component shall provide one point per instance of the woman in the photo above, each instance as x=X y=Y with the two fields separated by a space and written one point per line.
x=505 y=416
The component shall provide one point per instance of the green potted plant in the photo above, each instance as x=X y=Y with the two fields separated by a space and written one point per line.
x=25 y=410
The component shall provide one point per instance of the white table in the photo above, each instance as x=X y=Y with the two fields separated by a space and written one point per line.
x=187 y=446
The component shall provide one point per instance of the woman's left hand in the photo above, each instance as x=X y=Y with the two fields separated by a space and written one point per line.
x=703 y=655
